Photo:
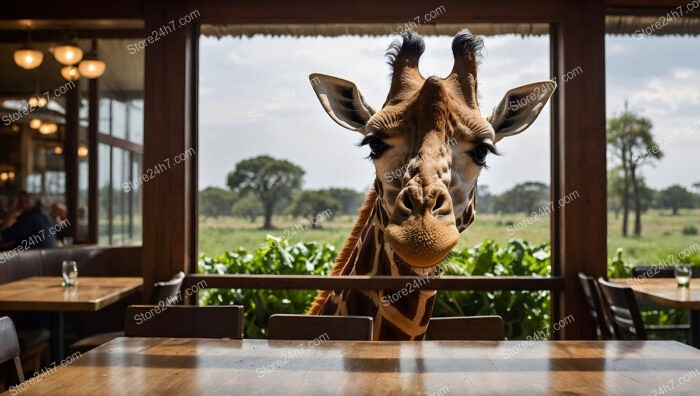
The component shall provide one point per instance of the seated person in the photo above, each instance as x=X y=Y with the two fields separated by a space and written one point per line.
x=27 y=225
x=59 y=214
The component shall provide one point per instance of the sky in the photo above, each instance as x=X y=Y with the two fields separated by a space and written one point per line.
x=255 y=98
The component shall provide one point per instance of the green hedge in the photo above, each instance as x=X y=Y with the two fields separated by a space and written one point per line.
x=524 y=313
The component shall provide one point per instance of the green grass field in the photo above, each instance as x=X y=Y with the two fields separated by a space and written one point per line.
x=661 y=233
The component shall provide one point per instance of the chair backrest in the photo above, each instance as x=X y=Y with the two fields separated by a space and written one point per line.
x=649 y=271
x=595 y=305
x=623 y=311
x=184 y=321
x=9 y=346
x=168 y=293
x=310 y=327
x=467 y=328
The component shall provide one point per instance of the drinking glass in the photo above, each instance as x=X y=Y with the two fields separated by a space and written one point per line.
x=70 y=273
x=683 y=273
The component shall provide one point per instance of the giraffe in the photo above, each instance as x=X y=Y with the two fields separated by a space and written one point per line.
x=432 y=131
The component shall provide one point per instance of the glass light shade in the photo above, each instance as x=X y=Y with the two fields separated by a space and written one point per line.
x=58 y=150
x=15 y=128
x=4 y=176
x=92 y=68
x=36 y=101
x=35 y=123
x=68 y=54
x=11 y=175
x=82 y=151
x=48 y=128
x=28 y=58
x=70 y=73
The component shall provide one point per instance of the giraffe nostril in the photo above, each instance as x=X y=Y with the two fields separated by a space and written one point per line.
x=406 y=200
x=439 y=202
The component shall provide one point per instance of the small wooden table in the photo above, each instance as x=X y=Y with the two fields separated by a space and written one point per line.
x=665 y=291
x=260 y=367
x=45 y=293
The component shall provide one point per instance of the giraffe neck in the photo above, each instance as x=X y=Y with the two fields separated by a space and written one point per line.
x=398 y=314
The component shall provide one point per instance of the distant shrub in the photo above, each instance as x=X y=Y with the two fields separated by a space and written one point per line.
x=690 y=230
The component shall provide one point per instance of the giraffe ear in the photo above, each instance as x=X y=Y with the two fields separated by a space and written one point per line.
x=342 y=101
x=520 y=107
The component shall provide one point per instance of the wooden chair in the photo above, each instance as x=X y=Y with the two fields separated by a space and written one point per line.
x=309 y=327
x=9 y=346
x=164 y=293
x=595 y=306
x=466 y=328
x=623 y=311
x=169 y=292
x=642 y=272
x=182 y=321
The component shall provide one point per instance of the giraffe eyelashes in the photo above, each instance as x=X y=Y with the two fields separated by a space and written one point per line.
x=376 y=145
x=480 y=153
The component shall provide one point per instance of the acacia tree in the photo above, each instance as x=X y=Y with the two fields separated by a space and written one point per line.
x=312 y=203
x=270 y=180
x=248 y=207
x=215 y=202
x=630 y=141
x=676 y=197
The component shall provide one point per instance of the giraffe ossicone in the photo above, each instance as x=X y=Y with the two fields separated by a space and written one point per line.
x=431 y=129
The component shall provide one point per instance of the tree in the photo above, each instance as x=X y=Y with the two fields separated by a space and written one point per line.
x=676 y=197
x=615 y=190
x=484 y=199
x=349 y=199
x=248 y=207
x=311 y=203
x=270 y=180
x=630 y=140
x=215 y=202
x=696 y=187
x=525 y=197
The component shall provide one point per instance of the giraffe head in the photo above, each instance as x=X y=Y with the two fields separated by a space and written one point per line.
x=429 y=142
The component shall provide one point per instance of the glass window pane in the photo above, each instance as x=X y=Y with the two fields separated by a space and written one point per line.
x=105 y=194
x=118 y=119
x=136 y=121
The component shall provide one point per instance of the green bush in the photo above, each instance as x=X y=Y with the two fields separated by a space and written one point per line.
x=524 y=313
x=690 y=230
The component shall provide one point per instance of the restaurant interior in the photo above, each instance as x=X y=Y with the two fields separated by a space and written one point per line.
x=106 y=297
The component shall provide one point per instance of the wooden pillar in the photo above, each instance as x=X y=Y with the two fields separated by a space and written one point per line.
x=71 y=156
x=170 y=89
x=93 y=161
x=580 y=160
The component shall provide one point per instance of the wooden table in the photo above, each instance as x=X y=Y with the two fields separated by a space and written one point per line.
x=131 y=366
x=665 y=291
x=45 y=293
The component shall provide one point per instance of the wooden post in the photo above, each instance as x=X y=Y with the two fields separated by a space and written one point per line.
x=170 y=87
x=580 y=155
x=71 y=156
x=93 y=159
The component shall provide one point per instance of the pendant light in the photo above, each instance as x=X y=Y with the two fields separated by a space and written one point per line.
x=48 y=128
x=36 y=100
x=67 y=52
x=92 y=67
x=35 y=123
x=27 y=57
x=70 y=73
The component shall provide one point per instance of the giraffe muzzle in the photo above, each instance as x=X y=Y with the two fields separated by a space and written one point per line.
x=422 y=228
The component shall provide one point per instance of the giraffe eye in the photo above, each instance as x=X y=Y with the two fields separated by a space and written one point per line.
x=479 y=154
x=376 y=145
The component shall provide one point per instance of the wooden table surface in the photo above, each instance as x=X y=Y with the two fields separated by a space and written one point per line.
x=131 y=366
x=665 y=291
x=45 y=293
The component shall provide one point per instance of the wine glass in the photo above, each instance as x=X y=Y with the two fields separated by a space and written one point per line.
x=70 y=273
x=683 y=273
